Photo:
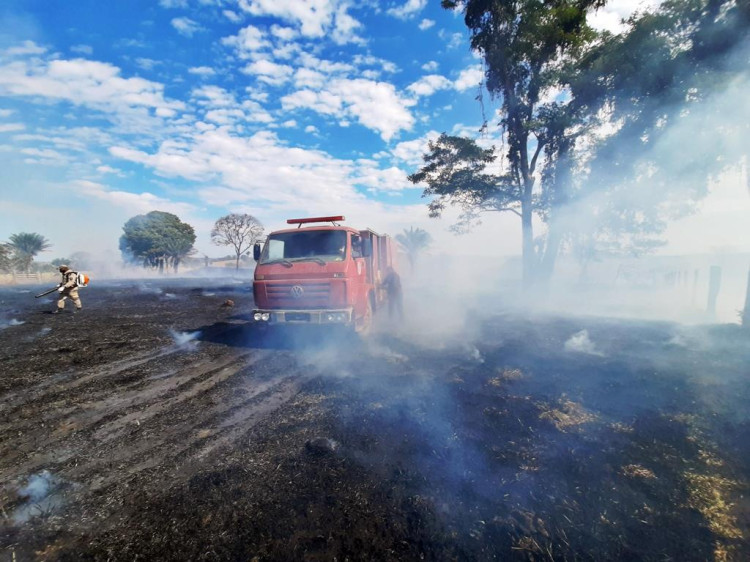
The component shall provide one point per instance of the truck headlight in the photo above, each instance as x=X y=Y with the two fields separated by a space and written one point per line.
x=257 y=316
x=265 y=316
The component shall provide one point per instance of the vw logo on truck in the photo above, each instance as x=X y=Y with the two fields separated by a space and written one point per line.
x=297 y=291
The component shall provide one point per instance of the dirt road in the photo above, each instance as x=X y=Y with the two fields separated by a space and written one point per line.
x=159 y=424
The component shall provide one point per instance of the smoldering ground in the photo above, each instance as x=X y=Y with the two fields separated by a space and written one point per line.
x=464 y=433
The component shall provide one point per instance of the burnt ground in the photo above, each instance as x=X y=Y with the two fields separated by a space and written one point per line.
x=159 y=425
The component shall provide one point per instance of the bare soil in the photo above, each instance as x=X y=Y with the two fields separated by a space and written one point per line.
x=160 y=425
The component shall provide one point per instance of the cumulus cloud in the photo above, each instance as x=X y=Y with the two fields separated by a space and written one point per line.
x=469 y=78
x=426 y=24
x=269 y=72
x=408 y=10
x=315 y=18
x=83 y=82
x=185 y=26
x=202 y=70
x=428 y=85
x=232 y=16
x=248 y=40
x=376 y=105
x=410 y=152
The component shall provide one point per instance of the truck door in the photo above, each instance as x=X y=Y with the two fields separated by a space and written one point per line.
x=360 y=276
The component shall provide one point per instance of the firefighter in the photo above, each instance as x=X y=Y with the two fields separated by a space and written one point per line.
x=68 y=288
x=392 y=286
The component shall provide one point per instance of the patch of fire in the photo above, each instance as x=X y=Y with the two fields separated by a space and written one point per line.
x=505 y=375
x=637 y=471
x=567 y=415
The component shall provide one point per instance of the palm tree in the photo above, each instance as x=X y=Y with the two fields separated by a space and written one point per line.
x=26 y=245
x=6 y=254
x=413 y=242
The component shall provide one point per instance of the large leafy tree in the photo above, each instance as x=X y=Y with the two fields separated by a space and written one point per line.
x=156 y=239
x=26 y=245
x=240 y=231
x=528 y=48
x=414 y=241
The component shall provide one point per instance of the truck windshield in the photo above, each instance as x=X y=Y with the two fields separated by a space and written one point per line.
x=314 y=245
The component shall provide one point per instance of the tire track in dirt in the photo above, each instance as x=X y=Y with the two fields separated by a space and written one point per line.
x=181 y=412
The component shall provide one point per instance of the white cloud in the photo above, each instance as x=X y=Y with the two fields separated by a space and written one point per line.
x=283 y=32
x=308 y=78
x=312 y=129
x=315 y=18
x=83 y=82
x=185 y=26
x=426 y=24
x=249 y=40
x=376 y=105
x=147 y=64
x=82 y=49
x=428 y=85
x=611 y=16
x=234 y=17
x=25 y=48
x=173 y=3
x=452 y=40
x=269 y=72
x=410 y=9
x=109 y=170
x=410 y=152
x=139 y=203
x=11 y=127
x=469 y=78
x=202 y=70
x=430 y=66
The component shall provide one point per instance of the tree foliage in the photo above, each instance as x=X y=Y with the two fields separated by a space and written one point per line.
x=660 y=107
x=528 y=48
x=240 y=231
x=157 y=239
x=6 y=258
x=414 y=241
x=26 y=245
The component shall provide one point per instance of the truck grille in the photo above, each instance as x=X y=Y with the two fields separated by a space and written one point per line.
x=312 y=294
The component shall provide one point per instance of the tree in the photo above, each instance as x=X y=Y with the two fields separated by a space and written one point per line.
x=414 y=241
x=157 y=239
x=26 y=245
x=6 y=258
x=238 y=231
x=528 y=48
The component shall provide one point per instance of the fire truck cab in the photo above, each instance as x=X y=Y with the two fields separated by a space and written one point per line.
x=321 y=274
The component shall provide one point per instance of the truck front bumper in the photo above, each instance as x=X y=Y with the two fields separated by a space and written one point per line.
x=305 y=316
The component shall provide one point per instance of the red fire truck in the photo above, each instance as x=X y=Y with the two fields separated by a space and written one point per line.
x=321 y=274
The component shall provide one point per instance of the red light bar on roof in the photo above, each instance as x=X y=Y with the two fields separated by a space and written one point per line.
x=314 y=219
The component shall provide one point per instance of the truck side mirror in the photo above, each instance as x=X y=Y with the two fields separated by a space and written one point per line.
x=256 y=251
x=366 y=248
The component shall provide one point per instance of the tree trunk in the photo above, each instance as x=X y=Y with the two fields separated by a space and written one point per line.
x=527 y=249
x=237 y=262
x=551 y=250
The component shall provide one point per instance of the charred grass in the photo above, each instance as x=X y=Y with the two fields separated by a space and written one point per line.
x=500 y=446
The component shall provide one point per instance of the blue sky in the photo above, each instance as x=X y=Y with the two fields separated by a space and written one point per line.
x=277 y=108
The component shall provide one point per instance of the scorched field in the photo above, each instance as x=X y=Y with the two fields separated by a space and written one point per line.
x=159 y=424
